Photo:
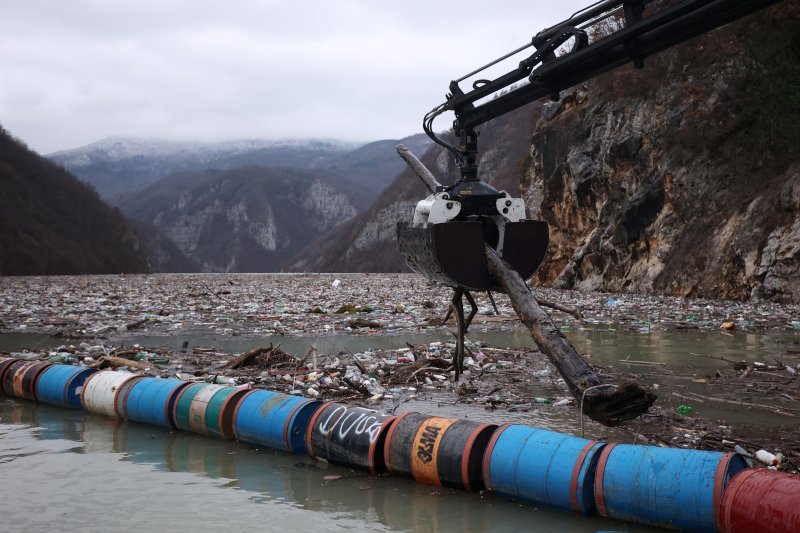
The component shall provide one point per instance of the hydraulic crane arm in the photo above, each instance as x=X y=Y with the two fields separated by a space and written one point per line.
x=597 y=39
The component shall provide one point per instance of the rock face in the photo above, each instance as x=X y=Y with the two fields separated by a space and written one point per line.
x=657 y=181
x=245 y=220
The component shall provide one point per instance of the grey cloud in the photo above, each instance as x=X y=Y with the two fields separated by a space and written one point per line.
x=77 y=71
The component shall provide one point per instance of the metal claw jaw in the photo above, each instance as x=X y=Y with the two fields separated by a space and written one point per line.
x=448 y=245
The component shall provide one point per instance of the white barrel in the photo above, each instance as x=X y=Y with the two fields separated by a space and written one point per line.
x=101 y=390
x=197 y=409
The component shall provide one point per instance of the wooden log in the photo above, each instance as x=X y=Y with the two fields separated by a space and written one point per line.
x=245 y=359
x=118 y=362
x=431 y=183
x=607 y=403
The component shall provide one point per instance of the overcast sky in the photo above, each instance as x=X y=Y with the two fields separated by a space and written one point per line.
x=75 y=71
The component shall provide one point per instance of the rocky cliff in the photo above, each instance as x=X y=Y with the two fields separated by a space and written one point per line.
x=248 y=219
x=683 y=178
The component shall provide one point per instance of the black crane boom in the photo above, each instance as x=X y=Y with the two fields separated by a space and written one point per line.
x=600 y=38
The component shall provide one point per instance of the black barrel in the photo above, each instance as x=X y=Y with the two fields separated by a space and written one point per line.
x=20 y=378
x=438 y=451
x=349 y=436
x=4 y=365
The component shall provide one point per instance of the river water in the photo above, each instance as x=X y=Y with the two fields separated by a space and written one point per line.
x=73 y=471
x=70 y=471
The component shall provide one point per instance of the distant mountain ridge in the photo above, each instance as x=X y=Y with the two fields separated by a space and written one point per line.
x=119 y=167
x=247 y=219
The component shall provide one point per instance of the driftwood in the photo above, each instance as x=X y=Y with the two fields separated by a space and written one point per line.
x=118 y=362
x=245 y=359
x=607 y=403
x=558 y=307
x=431 y=183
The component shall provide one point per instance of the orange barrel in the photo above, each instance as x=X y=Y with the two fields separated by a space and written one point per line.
x=667 y=487
x=349 y=436
x=438 y=451
x=102 y=390
x=207 y=409
x=759 y=500
x=20 y=378
x=4 y=364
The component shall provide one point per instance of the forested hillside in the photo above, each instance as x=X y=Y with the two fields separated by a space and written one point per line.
x=51 y=223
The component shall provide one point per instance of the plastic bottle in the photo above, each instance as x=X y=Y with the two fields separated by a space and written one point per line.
x=767 y=458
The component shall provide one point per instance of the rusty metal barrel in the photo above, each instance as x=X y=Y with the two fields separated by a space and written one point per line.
x=151 y=401
x=20 y=378
x=102 y=389
x=350 y=436
x=273 y=419
x=61 y=385
x=759 y=500
x=207 y=409
x=542 y=467
x=438 y=451
x=4 y=365
x=667 y=487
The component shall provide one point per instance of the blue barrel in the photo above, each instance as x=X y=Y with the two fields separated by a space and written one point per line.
x=61 y=385
x=5 y=364
x=273 y=419
x=542 y=467
x=667 y=487
x=151 y=401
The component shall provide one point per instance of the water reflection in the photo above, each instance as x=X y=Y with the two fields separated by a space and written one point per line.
x=344 y=496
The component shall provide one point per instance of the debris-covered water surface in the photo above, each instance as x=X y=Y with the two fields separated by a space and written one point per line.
x=725 y=372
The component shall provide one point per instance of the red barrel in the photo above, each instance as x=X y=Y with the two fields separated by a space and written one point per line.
x=20 y=378
x=349 y=436
x=759 y=500
x=438 y=451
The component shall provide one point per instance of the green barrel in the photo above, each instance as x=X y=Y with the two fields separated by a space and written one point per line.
x=208 y=409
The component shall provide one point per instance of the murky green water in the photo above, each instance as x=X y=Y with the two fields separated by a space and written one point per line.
x=71 y=471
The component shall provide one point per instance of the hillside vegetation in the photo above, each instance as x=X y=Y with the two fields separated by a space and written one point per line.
x=51 y=223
